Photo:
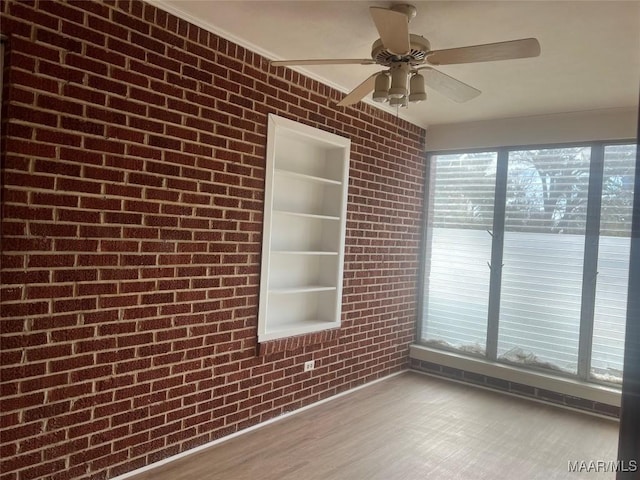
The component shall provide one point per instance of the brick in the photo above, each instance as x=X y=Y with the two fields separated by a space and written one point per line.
x=75 y=185
x=34 y=49
x=20 y=462
x=97 y=203
x=49 y=291
x=44 y=382
x=74 y=305
x=26 y=308
x=103 y=145
x=8 y=24
x=97 y=231
x=105 y=115
x=42 y=198
x=123 y=190
x=123 y=218
x=88 y=95
x=64 y=448
x=106 y=85
x=89 y=454
x=146 y=70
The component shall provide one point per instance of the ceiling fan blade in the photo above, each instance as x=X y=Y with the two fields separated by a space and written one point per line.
x=359 y=92
x=448 y=86
x=336 y=61
x=393 y=28
x=524 y=48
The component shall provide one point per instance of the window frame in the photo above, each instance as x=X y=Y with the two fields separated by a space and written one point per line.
x=590 y=252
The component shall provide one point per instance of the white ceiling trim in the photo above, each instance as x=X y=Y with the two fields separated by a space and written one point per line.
x=170 y=8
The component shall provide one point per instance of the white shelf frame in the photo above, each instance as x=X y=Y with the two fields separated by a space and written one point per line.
x=327 y=171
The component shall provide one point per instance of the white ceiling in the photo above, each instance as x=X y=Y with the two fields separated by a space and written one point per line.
x=590 y=49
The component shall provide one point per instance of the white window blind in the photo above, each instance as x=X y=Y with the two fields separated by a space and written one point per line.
x=456 y=274
x=543 y=257
x=613 y=263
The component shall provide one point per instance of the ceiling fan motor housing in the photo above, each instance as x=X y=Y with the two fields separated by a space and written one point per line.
x=409 y=10
x=417 y=55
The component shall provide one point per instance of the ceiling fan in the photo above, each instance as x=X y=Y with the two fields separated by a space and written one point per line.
x=405 y=55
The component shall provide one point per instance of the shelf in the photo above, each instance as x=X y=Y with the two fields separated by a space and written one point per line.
x=301 y=289
x=297 y=233
x=302 y=252
x=295 y=325
x=294 y=193
x=307 y=215
x=309 y=178
x=314 y=153
x=306 y=181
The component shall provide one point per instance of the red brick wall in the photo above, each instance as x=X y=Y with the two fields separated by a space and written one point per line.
x=132 y=195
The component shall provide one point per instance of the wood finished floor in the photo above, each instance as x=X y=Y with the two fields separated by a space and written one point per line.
x=408 y=427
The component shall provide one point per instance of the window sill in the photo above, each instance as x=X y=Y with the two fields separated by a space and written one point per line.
x=564 y=386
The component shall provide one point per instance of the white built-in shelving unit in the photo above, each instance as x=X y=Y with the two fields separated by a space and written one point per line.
x=306 y=183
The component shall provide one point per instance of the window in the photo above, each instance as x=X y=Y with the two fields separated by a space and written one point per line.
x=544 y=233
x=613 y=262
x=462 y=197
x=527 y=256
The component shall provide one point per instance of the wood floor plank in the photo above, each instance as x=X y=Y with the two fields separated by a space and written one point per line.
x=409 y=427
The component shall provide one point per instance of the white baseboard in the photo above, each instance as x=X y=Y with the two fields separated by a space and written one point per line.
x=250 y=429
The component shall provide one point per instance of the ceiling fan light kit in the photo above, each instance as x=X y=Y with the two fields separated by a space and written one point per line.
x=416 y=90
x=396 y=91
x=399 y=74
x=381 y=92
x=399 y=102
x=404 y=54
